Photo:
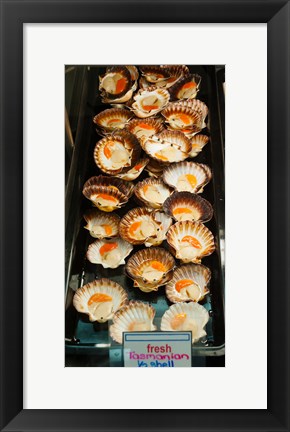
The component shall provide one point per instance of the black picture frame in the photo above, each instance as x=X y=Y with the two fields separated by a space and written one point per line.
x=13 y=15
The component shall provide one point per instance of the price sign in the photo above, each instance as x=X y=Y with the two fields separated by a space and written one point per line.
x=157 y=349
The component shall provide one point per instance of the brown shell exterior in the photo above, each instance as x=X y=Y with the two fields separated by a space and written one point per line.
x=126 y=188
x=112 y=219
x=89 y=191
x=129 y=218
x=155 y=168
x=148 y=70
x=128 y=140
x=196 y=105
x=149 y=181
x=183 y=199
x=122 y=70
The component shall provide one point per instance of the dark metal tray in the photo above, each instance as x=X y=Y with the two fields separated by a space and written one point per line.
x=92 y=339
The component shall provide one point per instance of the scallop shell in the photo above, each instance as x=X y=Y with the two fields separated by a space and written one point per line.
x=187 y=176
x=133 y=72
x=165 y=222
x=182 y=118
x=189 y=283
x=197 y=144
x=135 y=316
x=149 y=102
x=145 y=127
x=115 y=83
x=167 y=147
x=101 y=225
x=134 y=172
x=109 y=253
x=147 y=277
x=105 y=198
x=138 y=225
x=117 y=152
x=112 y=119
x=184 y=206
x=100 y=299
x=124 y=187
x=191 y=241
x=186 y=317
x=186 y=88
x=152 y=192
x=196 y=105
x=154 y=74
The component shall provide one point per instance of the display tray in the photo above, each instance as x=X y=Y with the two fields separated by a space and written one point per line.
x=84 y=337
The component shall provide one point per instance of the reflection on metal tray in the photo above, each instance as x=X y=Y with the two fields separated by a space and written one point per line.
x=92 y=339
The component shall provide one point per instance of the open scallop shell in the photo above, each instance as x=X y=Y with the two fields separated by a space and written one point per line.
x=139 y=225
x=191 y=241
x=167 y=147
x=115 y=83
x=176 y=73
x=197 y=144
x=109 y=253
x=150 y=268
x=165 y=222
x=135 y=316
x=155 y=168
x=187 y=176
x=184 y=206
x=112 y=119
x=186 y=87
x=100 y=299
x=182 y=118
x=189 y=283
x=152 y=192
x=101 y=225
x=134 y=172
x=145 y=127
x=117 y=152
x=186 y=317
x=149 y=102
x=197 y=106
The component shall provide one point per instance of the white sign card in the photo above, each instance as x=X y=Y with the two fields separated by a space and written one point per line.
x=157 y=349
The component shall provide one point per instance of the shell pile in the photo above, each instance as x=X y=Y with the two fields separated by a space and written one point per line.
x=152 y=127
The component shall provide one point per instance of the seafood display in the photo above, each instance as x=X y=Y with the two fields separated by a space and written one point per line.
x=147 y=208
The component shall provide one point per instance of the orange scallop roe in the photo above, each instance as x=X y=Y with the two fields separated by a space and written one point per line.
x=184 y=118
x=178 y=320
x=191 y=179
x=150 y=107
x=113 y=120
x=193 y=241
x=157 y=265
x=160 y=156
x=189 y=85
x=106 y=197
x=121 y=85
x=108 y=229
x=146 y=126
x=138 y=166
x=134 y=226
x=99 y=298
x=183 y=284
x=108 y=247
x=181 y=210
x=107 y=150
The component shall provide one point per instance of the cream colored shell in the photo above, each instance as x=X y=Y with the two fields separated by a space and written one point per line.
x=149 y=102
x=191 y=241
x=165 y=222
x=186 y=317
x=112 y=118
x=189 y=283
x=114 y=257
x=188 y=206
x=145 y=127
x=134 y=172
x=197 y=144
x=168 y=146
x=135 y=316
x=139 y=225
x=100 y=311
